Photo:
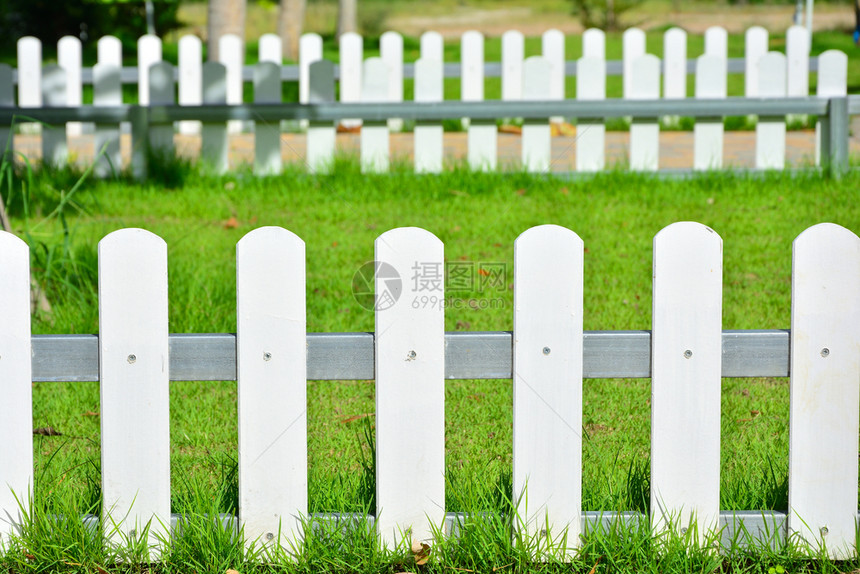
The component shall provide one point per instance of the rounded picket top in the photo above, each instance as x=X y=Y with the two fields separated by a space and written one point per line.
x=829 y=237
x=594 y=44
x=548 y=244
x=109 y=50
x=130 y=241
x=270 y=49
x=687 y=234
x=269 y=236
x=432 y=46
x=407 y=238
x=832 y=74
x=12 y=250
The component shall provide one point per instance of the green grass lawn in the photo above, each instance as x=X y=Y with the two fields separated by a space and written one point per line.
x=478 y=217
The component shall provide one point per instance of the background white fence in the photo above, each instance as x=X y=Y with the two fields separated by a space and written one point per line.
x=271 y=356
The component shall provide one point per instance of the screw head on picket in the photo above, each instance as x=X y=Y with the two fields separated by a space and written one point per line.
x=547 y=350
x=412 y=355
x=132 y=358
x=824 y=530
x=825 y=352
x=688 y=353
x=269 y=536
x=267 y=356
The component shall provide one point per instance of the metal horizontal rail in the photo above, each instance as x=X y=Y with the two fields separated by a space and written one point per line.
x=290 y=73
x=350 y=356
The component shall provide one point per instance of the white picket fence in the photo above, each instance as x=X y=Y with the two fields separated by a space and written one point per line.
x=410 y=356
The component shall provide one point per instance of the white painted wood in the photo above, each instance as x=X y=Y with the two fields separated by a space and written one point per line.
x=7 y=99
x=552 y=48
x=391 y=52
x=310 y=50
x=29 y=51
x=536 y=136
x=547 y=380
x=755 y=46
x=321 y=135
x=797 y=60
x=832 y=83
x=482 y=145
x=134 y=378
x=770 y=131
x=432 y=46
x=351 y=58
x=16 y=404
x=267 y=135
x=825 y=368
x=214 y=145
x=513 y=54
x=109 y=51
x=231 y=54
x=270 y=49
x=55 y=149
x=107 y=91
x=708 y=133
x=190 y=79
x=69 y=59
x=594 y=44
x=471 y=69
x=272 y=386
x=686 y=354
x=632 y=48
x=717 y=42
x=375 y=150
x=590 y=133
x=410 y=386
x=675 y=64
x=148 y=53
x=645 y=132
x=428 y=135
x=162 y=92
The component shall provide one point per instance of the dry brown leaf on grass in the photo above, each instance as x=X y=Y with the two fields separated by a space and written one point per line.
x=231 y=223
x=231 y=571
x=420 y=552
x=356 y=417
x=594 y=568
x=47 y=431
x=506 y=129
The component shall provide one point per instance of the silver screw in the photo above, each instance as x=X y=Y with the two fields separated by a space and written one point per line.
x=824 y=530
x=131 y=359
x=688 y=353
x=543 y=533
x=412 y=354
x=132 y=533
x=269 y=536
x=825 y=352
x=267 y=356
x=547 y=350
x=683 y=531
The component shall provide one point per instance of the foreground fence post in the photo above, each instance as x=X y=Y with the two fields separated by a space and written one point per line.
x=825 y=370
x=410 y=385
x=547 y=379
x=686 y=353
x=16 y=402
x=134 y=376
x=271 y=368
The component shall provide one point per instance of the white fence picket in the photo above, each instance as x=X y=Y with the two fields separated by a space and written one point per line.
x=107 y=91
x=755 y=46
x=832 y=82
x=231 y=54
x=552 y=48
x=675 y=64
x=717 y=42
x=536 y=136
x=351 y=58
x=321 y=135
x=708 y=132
x=428 y=136
x=271 y=351
x=16 y=405
x=594 y=44
x=590 y=133
x=432 y=46
x=55 y=149
x=162 y=92
x=375 y=150
x=686 y=354
x=190 y=79
x=770 y=130
x=825 y=368
x=632 y=48
x=109 y=51
x=270 y=49
x=513 y=55
x=645 y=132
x=267 y=135
x=29 y=52
x=134 y=376
x=310 y=51
x=410 y=363
x=797 y=61
x=391 y=52
x=214 y=146
x=547 y=380
x=7 y=99
x=481 y=139
x=69 y=59
x=148 y=53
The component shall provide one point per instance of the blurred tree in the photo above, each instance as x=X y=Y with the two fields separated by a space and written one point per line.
x=291 y=19
x=347 y=17
x=603 y=14
x=225 y=17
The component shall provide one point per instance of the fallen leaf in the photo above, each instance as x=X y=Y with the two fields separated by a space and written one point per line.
x=463 y=325
x=231 y=223
x=356 y=417
x=101 y=570
x=47 y=431
x=421 y=553
x=231 y=571
x=29 y=556
x=564 y=191
x=521 y=191
x=510 y=130
x=755 y=413
x=342 y=129
x=90 y=414
x=594 y=568
x=502 y=567
x=483 y=272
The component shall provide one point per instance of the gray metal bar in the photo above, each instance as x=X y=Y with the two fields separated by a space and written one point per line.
x=349 y=356
x=853 y=105
x=139 y=117
x=106 y=114
x=835 y=137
